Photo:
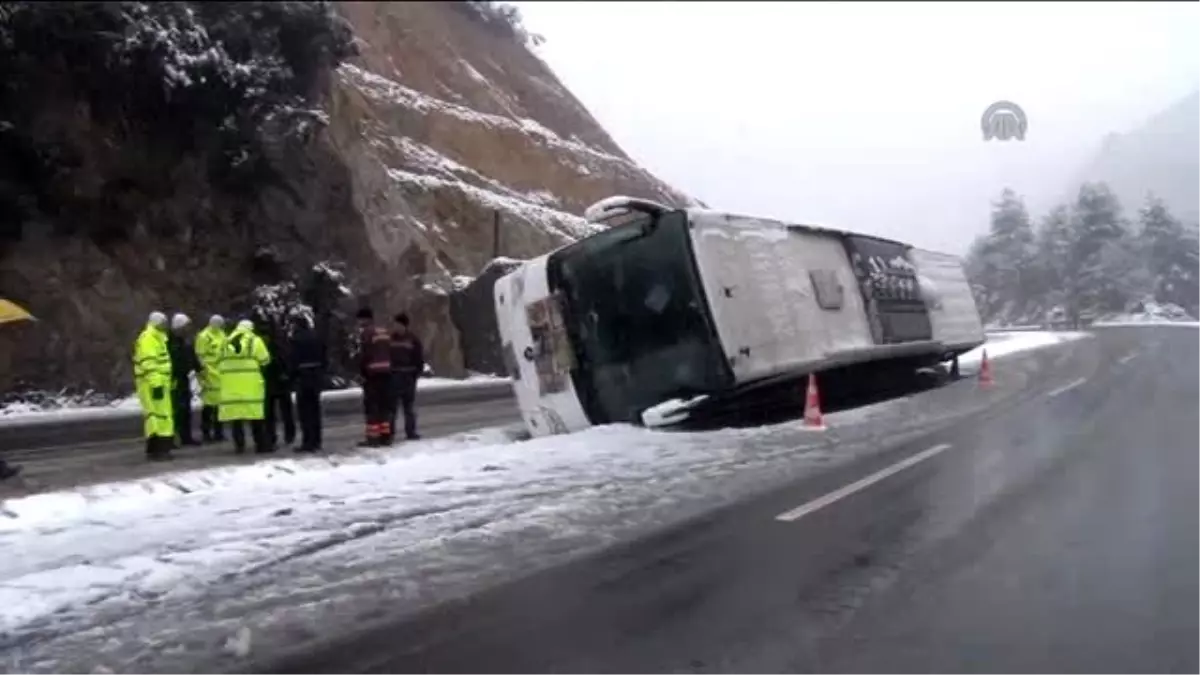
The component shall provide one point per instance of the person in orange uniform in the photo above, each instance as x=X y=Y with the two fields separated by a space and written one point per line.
x=375 y=366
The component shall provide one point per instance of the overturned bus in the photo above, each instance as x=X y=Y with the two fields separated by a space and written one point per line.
x=673 y=313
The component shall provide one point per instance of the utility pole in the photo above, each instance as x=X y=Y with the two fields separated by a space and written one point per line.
x=495 y=233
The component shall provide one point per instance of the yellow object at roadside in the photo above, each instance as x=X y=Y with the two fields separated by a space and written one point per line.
x=11 y=311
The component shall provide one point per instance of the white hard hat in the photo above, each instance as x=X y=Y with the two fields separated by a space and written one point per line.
x=180 y=320
x=158 y=319
x=216 y=321
x=245 y=324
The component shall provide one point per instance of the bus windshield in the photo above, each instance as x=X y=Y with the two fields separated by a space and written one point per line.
x=637 y=318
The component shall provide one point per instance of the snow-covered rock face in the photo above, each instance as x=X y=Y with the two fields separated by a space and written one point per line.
x=444 y=144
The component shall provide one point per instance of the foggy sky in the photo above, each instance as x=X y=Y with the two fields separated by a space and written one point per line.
x=862 y=115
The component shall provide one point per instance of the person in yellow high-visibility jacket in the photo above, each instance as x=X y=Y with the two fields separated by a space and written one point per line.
x=152 y=378
x=243 y=390
x=210 y=345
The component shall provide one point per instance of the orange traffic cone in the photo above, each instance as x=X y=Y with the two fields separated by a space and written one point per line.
x=812 y=405
x=985 y=371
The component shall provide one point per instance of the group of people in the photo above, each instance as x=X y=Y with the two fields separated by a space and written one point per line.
x=248 y=375
x=390 y=363
x=245 y=380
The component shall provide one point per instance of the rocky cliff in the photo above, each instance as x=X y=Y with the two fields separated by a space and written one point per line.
x=276 y=158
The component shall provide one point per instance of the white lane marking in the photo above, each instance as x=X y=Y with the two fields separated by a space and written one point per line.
x=843 y=492
x=1127 y=358
x=1066 y=387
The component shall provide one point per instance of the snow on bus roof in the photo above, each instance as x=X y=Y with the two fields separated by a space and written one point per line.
x=608 y=210
x=758 y=221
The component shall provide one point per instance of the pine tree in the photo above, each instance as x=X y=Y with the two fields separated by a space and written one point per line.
x=1003 y=262
x=1170 y=256
x=1101 y=253
x=1055 y=239
x=1085 y=258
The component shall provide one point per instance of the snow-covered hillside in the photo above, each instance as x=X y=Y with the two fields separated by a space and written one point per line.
x=411 y=144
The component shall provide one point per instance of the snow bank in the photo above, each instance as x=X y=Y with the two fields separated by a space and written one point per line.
x=1151 y=314
x=67 y=410
x=184 y=533
x=1011 y=343
x=1135 y=321
x=128 y=497
x=67 y=413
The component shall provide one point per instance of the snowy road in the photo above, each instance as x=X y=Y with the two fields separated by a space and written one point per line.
x=57 y=468
x=1054 y=532
x=212 y=569
x=48 y=431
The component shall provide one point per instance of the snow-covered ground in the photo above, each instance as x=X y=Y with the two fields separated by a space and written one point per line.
x=64 y=410
x=1151 y=313
x=999 y=345
x=114 y=572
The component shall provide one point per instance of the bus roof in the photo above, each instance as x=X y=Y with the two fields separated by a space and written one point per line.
x=745 y=220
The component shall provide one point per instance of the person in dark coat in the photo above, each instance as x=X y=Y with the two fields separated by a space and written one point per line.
x=309 y=362
x=183 y=363
x=277 y=405
x=375 y=367
x=408 y=361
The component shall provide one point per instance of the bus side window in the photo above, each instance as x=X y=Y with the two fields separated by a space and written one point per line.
x=828 y=289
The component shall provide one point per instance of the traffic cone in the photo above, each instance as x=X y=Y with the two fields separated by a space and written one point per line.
x=985 y=371
x=812 y=406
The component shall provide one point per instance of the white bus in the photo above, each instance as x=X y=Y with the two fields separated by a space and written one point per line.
x=692 y=309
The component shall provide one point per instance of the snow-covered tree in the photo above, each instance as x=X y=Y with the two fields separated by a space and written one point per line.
x=223 y=83
x=1054 y=244
x=502 y=17
x=1003 y=263
x=1170 y=256
x=1102 y=253
x=1083 y=258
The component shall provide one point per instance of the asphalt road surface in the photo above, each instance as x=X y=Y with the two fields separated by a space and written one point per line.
x=1056 y=532
x=81 y=463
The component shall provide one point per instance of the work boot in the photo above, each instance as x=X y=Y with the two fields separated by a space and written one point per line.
x=160 y=448
x=154 y=448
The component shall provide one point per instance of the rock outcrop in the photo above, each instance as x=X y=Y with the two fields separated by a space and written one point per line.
x=438 y=142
